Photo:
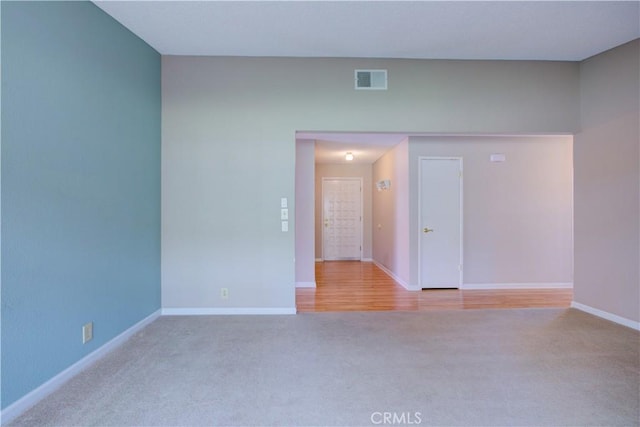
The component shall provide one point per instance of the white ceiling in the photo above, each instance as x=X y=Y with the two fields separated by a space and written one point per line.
x=503 y=30
x=541 y=30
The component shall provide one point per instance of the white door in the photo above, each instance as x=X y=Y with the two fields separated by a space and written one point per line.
x=341 y=218
x=440 y=222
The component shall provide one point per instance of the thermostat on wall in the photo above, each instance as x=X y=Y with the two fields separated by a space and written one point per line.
x=498 y=158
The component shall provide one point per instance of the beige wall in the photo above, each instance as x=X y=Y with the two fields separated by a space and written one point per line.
x=607 y=189
x=228 y=150
x=304 y=207
x=391 y=213
x=355 y=170
x=517 y=215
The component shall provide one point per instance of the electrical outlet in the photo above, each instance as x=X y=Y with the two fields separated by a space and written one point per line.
x=87 y=332
x=224 y=293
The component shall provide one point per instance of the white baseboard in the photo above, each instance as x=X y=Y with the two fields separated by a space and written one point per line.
x=305 y=284
x=209 y=311
x=367 y=260
x=606 y=315
x=394 y=277
x=517 y=286
x=27 y=401
x=319 y=260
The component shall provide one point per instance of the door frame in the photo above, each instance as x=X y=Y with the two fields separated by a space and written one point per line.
x=419 y=230
x=343 y=178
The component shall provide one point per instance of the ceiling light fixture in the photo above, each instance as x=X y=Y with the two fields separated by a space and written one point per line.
x=349 y=156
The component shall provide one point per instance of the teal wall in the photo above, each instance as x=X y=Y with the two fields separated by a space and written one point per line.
x=80 y=186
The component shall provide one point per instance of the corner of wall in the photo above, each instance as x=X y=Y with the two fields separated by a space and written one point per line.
x=607 y=184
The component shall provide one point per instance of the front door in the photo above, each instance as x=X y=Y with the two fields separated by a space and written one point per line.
x=440 y=222
x=341 y=218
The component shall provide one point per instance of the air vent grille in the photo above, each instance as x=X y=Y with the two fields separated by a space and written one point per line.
x=371 y=79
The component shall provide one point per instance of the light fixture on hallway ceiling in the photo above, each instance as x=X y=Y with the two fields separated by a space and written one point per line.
x=349 y=156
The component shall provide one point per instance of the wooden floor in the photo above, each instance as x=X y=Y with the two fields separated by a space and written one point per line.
x=362 y=286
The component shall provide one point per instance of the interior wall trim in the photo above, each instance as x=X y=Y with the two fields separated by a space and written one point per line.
x=394 y=277
x=224 y=311
x=18 y=407
x=543 y=285
x=305 y=284
x=606 y=315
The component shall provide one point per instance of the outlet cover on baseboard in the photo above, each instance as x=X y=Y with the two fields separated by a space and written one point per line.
x=87 y=332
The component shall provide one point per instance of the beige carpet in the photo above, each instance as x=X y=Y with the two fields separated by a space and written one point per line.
x=475 y=367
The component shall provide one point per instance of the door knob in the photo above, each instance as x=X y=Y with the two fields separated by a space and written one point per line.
x=427 y=229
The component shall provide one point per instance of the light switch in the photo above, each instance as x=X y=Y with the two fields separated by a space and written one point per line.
x=285 y=226
x=283 y=202
x=284 y=214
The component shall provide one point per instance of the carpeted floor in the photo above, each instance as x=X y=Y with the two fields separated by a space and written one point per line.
x=475 y=367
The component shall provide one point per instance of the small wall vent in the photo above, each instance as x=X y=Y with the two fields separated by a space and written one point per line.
x=371 y=79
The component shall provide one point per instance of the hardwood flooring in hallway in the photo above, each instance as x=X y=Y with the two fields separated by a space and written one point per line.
x=362 y=286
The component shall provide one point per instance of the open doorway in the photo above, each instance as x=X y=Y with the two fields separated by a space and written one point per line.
x=321 y=156
x=518 y=221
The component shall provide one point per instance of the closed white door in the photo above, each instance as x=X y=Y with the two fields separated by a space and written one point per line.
x=341 y=218
x=440 y=222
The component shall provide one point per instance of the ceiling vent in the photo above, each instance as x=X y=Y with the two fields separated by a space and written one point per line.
x=371 y=79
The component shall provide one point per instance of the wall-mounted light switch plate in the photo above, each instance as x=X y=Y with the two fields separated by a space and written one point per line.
x=284 y=214
x=283 y=202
